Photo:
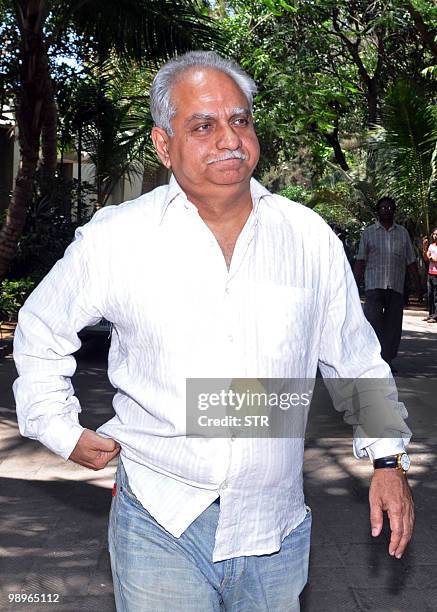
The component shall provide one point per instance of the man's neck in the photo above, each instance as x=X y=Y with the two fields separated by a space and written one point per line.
x=225 y=212
x=386 y=224
x=224 y=206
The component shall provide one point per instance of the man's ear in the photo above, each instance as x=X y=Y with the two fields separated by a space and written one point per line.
x=160 y=142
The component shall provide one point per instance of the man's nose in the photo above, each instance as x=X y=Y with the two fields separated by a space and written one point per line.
x=228 y=138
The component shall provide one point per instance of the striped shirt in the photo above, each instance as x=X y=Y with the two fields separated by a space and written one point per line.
x=386 y=253
x=154 y=269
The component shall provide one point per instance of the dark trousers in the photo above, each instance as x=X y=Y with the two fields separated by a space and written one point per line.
x=383 y=310
x=432 y=295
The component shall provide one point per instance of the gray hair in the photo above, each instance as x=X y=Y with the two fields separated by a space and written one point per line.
x=161 y=105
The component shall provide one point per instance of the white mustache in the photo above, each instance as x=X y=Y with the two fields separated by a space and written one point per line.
x=228 y=155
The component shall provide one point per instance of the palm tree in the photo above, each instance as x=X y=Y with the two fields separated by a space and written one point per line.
x=406 y=153
x=143 y=29
x=111 y=111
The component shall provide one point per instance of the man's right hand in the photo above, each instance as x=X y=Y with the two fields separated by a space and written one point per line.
x=94 y=451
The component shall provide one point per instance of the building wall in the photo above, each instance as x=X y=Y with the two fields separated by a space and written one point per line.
x=126 y=189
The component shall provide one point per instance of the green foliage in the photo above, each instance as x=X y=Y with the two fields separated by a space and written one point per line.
x=339 y=205
x=405 y=159
x=295 y=193
x=48 y=230
x=88 y=33
x=327 y=70
x=13 y=293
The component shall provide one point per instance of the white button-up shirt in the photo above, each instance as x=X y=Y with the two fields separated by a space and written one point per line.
x=387 y=253
x=154 y=269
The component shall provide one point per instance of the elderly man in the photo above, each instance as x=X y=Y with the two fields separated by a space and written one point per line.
x=210 y=276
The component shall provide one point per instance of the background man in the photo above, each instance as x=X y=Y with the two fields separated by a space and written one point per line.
x=210 y=276
x=384 y=254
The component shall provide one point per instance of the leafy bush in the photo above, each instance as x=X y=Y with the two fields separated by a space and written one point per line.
x=295 y=193
x=13 y=293
x=49 y=229
x=42 y=244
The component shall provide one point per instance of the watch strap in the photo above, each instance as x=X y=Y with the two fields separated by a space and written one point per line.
x=386 y=462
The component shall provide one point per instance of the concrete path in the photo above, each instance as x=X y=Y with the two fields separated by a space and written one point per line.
x=53 y=514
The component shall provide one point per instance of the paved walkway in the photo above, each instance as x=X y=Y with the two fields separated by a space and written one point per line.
x=53 y=514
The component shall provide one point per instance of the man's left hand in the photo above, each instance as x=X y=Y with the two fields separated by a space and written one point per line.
x=390 y=492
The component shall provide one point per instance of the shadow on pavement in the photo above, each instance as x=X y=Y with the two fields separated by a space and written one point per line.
x=350 y=570
x=418 y=355
x=53 y=537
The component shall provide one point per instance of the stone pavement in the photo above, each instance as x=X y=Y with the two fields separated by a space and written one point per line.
x=53 y=514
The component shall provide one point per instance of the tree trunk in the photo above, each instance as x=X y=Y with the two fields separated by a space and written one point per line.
x=49 y=150
x=333 y=141
x=426 y=34
x=79 y=175
x=29 y=115
x=372 y=95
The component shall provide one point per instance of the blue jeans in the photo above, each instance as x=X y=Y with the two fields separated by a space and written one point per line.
x=155 y=572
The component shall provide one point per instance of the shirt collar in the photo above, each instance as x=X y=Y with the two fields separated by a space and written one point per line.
x=174 y=192
x=379 y=225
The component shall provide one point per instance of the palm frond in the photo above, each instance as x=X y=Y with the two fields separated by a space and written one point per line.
x=403 y=151
x=147 y=30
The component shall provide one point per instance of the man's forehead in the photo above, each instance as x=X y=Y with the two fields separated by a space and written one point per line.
x=201 y=83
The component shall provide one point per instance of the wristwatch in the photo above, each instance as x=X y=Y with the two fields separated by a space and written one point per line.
x=400 y=461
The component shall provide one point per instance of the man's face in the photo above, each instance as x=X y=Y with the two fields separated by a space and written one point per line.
x=214 y=148
x=386 y=212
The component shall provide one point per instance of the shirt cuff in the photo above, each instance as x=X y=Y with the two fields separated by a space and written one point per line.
x=62 y=434
x=382 y=447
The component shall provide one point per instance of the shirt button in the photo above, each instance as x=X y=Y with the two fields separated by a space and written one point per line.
x=223 y=486
x=227 y=291
x=231 y=338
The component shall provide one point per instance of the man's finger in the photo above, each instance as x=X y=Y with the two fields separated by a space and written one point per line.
x=94 y=451
x=100 y=443
x=397 y=528
x=103 y=458
x=376 y=519
x=408 y=522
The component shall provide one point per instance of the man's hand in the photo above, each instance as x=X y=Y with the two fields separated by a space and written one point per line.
x=94 y=451
x=390 y=492
x=360 y=266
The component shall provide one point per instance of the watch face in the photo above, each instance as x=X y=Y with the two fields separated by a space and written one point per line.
x=405 y=461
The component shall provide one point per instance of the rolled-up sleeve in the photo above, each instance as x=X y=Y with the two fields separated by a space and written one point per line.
x=350 y=351
x=65 y=302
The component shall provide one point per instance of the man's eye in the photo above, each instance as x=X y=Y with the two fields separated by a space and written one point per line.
x=241 y=121
x=204 y=127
